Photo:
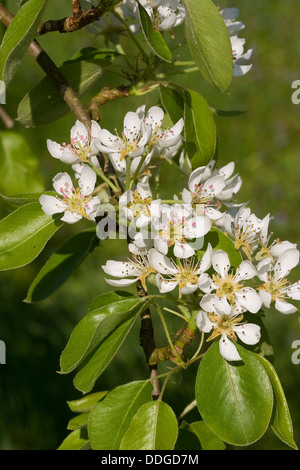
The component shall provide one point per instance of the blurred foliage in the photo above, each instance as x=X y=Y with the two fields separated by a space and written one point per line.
x=264 y=143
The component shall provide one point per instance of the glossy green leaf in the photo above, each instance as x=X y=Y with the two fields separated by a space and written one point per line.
x=76 y=440
x=209 y=42
x=109 y=311
x=235 y=399
x=44 y=104
x=207 y=439
x=219 y=241
x=114 y=414
x=172 y=102
x=19 y=165
x=199 y=129
x=25 y=198
x=19 y=36
x=154 y=427
x=61 y=265
x=79 y=421
x=153 y=37
x=87 y=402
x=99 y=359
x=23 y=235
x=281 y=421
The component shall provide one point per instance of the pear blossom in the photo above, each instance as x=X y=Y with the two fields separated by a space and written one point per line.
x=75 y=203
x=182 y=273
x=176 y=227
x=165 y=14
x=136 y=269
x=82 y=146
x=277 y=288
x=229 y=16
x=226 y=321
x=230 y=286
x=138 y=205
x=240 y=58
x=160 y=137
x=132 y=143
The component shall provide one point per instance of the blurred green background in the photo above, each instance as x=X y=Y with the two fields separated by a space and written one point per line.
x=265 y=144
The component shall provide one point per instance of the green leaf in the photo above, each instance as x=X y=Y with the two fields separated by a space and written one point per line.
x=108 y=312
x=234 y=399
x=44 y=104
x=19 y=36
x=153 y=37
x=61 y=265
x=87 y=402
x=76 y=440
x=79 y=421
x=219 y=241
x=99 y=359
x=19 y=165
x=207 y=439
x=115 y=413
x=199 y=129
x=173 y=102
x=281 y=422
x=154 y=427
x=209 y=42
x=25 y=198
x=23 y=235
x=92 y=54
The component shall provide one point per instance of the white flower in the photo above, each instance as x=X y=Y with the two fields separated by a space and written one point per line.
x=233 y=183
x=82 y=146
x=165 y=14
x=229 y=16
x=240 y=58
x=184 y=274
x=160 y=137
x=177 y=225
x=225 y=321
x=231 y=286
x=276 y=287
x=131 y=271
x=139 y=205
x=132 y=143
x=75 y=203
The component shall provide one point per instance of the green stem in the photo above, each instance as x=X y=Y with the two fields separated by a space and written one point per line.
x=104 y=178
x=132 y=36
x=128 y=167
x=137 y=171
x=173 y=348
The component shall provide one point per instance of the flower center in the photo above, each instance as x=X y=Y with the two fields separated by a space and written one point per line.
x=81 y=146
x=275 y=288
x=224 y=324
x=140 y=206
x=227 y=287
x=75 y=201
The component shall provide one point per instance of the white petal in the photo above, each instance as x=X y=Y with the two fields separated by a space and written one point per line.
x=205 y=283
x=121 y=282
x=203 y=322
x=51 y=204
x=263 y=268
x=69 y=157
x=132 y=126
x=54 y=148
x=248 y=333
x=155 y=115
x=165 y=285
x=189 y=288
x=71 y=217
x=285 y=263
x=62 y=183
x=221 y=263
x=201 y=225
x=280 y=247
x=161 y=263
x=87 y=180
x=228 y=349
x=161 y=245
x=293 y=291
x=246 y=270
x=266 y=297
x=208 y=303
x=205 y=263
x=183 y=250
x=95 y=130
x=249 y=299
x=118 y=269
x=285 y=307
x=78 y=130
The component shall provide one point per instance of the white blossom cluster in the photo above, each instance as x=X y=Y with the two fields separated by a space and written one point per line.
x=169 y=236
x=240 y=57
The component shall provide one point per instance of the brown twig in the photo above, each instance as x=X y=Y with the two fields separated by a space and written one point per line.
x=104 y=96
x=77 y=20
x=68 y=94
